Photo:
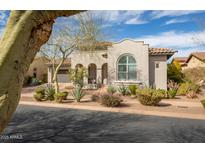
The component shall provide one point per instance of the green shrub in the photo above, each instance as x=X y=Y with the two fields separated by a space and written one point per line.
x=195 y=74
x=184 y=88
x=27 y=80
x=110 y=100
x=174 y=73
x=132 y=89
x=78 y=93
x=123 y=90
x=59 y=97
x=171 y=93
x=65 y=95
x=38 y=96
x=40 y=90
x=49 y=92
x=111 y=90
x=34 y=81
x=162 y=93
x=203 y=102
x=149 y=97
x=95 y=97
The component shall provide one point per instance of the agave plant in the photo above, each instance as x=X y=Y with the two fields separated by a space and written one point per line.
x=78 y=93
x=123 y=90
x=49 y=92
x=111 y=90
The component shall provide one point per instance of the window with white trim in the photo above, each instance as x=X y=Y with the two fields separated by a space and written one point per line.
x=127 y=68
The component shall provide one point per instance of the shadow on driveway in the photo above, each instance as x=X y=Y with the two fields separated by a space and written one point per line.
x=43 y=124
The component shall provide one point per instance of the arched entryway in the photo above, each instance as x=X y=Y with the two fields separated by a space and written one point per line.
x=78 y=66
x=92 y=73
x=104 y=73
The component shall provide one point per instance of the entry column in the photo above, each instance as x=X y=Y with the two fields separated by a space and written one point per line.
x=99 y=75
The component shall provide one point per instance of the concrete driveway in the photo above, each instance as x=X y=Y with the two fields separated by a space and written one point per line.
x=44 y=124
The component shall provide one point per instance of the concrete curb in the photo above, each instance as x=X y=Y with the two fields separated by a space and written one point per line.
x=121 y=110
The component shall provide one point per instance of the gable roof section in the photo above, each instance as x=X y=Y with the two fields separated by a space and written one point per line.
x=198 y=55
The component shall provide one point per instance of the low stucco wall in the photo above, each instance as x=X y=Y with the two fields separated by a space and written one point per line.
x=158 y=76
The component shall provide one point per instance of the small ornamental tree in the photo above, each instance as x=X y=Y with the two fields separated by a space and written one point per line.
x=174 y=73
x=66 y=39
x=77 y=76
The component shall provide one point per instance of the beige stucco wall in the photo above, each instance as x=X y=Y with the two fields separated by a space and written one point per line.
x=195 y=62
x=41 y=68
x=146 y=72
x=138 y=50
x=158 y=76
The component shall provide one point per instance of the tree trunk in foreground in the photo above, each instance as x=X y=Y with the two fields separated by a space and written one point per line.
x=26 y=32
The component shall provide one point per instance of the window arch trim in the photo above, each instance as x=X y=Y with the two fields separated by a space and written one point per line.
x=126 y=68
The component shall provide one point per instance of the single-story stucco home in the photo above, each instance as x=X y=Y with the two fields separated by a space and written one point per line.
x=125 y=62
x=195 y=59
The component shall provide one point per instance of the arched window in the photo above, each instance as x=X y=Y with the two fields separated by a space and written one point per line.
x=127 y=68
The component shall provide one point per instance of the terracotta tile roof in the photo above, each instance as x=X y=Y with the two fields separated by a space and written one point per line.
x=161 y=51
x=67 y=62
x=180 y=59
x=97 y=46
x=199 y=55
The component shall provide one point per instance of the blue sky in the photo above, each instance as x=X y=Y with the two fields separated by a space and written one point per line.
x=180 y=30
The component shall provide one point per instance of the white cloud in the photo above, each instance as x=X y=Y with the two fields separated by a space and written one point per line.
x=174 y=21
x=3 y=17
x=120 y=17
x=172 y=13
x=174 y=39
x=135 y=21
x=183 y=42
x=186 y=52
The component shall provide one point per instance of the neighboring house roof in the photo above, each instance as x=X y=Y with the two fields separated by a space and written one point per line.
x=198 y=55
x=180 y=59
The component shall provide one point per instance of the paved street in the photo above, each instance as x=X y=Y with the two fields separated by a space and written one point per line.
x=43 y=124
